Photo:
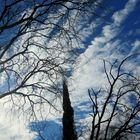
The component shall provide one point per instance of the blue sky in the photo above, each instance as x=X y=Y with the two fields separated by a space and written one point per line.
x=116 y=40
x=115 y=37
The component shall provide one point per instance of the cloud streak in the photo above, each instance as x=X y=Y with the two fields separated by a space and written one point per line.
x=89 y=72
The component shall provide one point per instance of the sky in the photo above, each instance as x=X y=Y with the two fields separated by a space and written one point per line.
x=116 y=37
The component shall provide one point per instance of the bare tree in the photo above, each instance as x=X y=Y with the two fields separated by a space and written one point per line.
x=37 y=40
x=116 y=116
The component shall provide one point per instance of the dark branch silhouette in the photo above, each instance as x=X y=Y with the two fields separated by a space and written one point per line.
x=114 y=118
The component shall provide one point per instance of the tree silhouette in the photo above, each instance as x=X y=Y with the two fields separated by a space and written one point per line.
x=39 y=37
x=69 y=132
x=117 y=116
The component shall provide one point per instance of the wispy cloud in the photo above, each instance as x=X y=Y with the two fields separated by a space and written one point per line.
x=89 y=72
x=12 y=127
x=121 y=15
x=137 y=43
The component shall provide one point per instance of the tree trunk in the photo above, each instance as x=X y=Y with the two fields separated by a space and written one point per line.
x=69 y=132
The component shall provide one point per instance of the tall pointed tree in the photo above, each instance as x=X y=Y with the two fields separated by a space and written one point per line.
x=69 y=132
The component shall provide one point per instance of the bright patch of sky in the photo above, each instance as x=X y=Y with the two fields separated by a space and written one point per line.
x=116 y=38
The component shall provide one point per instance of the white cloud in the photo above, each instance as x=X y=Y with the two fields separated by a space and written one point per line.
x=137 y=43
x=121 y=15
x=110 y=31
x=12 y=127
x=135 y=46
x=89 y=72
